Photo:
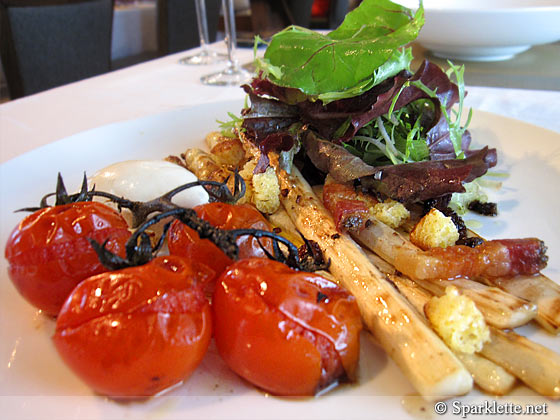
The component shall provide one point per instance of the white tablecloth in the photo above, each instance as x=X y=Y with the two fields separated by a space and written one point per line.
x=163 y=84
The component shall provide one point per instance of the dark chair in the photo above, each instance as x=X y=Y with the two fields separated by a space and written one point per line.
x=48 y=43
x=337 y=13
x=271 y=16
x=177 y=27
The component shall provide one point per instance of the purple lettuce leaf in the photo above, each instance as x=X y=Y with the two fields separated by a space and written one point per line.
x=267 y=116
x=419 y=181
x=357 y=112
x=335 y=160
x=406 y=182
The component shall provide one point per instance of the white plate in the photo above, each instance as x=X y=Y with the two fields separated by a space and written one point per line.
x=34 y=383
x=487 y=30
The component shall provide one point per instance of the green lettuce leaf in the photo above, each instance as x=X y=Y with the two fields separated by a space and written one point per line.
x=399 y=61
x=356 y=56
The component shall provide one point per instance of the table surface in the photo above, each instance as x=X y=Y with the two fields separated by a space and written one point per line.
x=536 y=68
x=163 y=84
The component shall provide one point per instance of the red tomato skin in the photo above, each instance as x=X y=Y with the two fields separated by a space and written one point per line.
x=49 y=254
x=185 y=242
x=135 y=332
x=238 y=216
x=271 y=330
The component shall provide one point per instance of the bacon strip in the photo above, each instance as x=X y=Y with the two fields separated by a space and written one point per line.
x=497 y=258
x=348 y=210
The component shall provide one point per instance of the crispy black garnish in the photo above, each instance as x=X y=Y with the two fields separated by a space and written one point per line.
x=321 y=297
x=311 y=256
x=471 y=242
x=486 y=209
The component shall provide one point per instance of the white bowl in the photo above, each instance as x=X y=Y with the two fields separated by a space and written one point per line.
x=486 y=30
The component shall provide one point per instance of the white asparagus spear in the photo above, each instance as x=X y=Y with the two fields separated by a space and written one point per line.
x=488 y=375
x=204 y=166
x=534 y=364
x=430 y=366
x=508 y=310
x=538 y=289
x=499 y=308
x=280 y=218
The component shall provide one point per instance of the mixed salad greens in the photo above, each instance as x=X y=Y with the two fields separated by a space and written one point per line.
x=350 y=100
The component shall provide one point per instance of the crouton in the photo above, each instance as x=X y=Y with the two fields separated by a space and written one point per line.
x=266 y=191
x=458 y=321
x=391 y=212
x=434 y=230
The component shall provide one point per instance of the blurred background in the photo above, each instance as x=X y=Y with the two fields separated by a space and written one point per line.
x=139 y=30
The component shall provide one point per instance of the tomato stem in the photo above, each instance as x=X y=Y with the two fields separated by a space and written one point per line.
x=139 y=249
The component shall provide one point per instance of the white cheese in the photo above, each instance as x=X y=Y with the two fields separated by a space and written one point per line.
x=144 y=180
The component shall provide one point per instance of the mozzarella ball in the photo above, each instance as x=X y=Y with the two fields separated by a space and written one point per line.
x=144 y=180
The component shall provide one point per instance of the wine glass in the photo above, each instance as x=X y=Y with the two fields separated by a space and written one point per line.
x=233 y=74
x=206 y=55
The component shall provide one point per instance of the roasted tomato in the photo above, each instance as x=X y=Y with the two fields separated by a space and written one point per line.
x=49 y=252
x=184 y=241
x=288 y=332
x=137 y=331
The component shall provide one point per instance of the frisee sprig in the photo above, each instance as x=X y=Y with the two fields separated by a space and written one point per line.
x=395 y=138
x=232 y=127
x=453 y=117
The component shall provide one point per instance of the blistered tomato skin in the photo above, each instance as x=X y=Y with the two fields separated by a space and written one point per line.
x=135 y=332
x=49 y=253
x=287 y=332
x=240 y=216
x=184 y=241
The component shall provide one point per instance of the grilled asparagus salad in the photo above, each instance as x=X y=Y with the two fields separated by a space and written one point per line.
x=337 y=196
x=343 y=142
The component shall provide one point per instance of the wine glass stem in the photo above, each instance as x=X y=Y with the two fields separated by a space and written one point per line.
x=200 y=6
x=231 y=38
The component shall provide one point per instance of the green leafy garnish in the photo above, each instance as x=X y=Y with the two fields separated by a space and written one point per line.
x=453 y=117
x=473 y=192
x=399 y=61
x=360 y=53
x=232 y=127
x=393 y=138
